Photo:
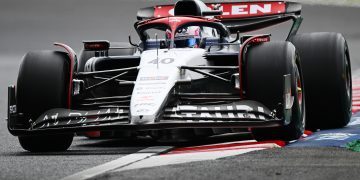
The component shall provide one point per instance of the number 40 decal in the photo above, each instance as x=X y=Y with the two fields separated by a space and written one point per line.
x=162 y=61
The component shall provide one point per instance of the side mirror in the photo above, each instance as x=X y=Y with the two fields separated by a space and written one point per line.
x=202 y=43
x=163 y=44
x=131 y=43
x=237 y=37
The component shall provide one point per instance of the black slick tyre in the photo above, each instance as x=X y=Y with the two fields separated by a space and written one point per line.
x=42 y=85
x=326 y=66
x=49 y=143
x=265 y=67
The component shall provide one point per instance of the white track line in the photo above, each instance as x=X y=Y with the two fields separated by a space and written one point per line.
x=164 y=160
x=356 y=74
x=119 y=163
x=197 y=155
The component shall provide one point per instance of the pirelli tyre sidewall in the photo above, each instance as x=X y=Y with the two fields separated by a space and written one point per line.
x=42 y=85
x=326 y=65
x=265 y=67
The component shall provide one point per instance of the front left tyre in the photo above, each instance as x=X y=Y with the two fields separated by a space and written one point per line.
x=42 y=84
x=265 y=67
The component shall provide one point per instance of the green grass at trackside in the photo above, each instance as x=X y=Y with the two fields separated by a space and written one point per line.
x=354 y=146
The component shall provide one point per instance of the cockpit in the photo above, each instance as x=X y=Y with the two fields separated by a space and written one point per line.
x=181 y=32
x=193 y=36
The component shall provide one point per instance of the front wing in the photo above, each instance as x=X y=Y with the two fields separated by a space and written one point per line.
x=241 y=114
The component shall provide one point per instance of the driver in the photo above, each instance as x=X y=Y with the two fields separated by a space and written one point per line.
x=188 y=37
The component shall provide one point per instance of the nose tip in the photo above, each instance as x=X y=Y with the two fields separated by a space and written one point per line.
x=142 y=119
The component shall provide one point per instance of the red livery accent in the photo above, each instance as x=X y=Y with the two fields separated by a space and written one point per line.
x=260 y=40
x=164 y=11
x=72 y=56
x=96 y=45
x=93 y=134
x=233 y=10
x=175 y=22
x=251 y=9
x=254 y=39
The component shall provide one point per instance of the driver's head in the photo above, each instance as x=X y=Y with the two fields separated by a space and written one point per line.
x=188 y=37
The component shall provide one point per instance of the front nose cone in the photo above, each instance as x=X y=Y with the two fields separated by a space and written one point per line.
x=152 y=89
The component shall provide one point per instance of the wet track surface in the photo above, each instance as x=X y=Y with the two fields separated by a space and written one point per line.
x=34 y=25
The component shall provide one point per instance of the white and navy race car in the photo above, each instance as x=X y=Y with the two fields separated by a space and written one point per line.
x=194 y=73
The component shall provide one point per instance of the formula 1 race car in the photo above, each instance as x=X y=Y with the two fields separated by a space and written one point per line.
x=194 y=73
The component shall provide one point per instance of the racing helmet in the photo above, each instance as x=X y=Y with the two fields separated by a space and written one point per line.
x=188 y=37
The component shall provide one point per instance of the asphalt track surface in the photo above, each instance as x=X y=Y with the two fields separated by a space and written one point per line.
x=34 y=25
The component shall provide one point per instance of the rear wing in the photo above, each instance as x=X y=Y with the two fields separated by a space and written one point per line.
x=237 y=16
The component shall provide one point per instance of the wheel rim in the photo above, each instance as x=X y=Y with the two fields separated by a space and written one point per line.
x=299 y=92
x=299 y=89
x=348 y=83
x=300 y=96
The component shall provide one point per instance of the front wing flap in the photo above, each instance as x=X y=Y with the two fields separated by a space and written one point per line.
x=242 y=114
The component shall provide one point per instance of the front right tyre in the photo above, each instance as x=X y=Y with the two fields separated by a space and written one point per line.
x=42 y=84
x=325 y=62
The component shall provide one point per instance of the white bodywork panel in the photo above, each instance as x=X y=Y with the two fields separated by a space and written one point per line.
x=156 y=79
